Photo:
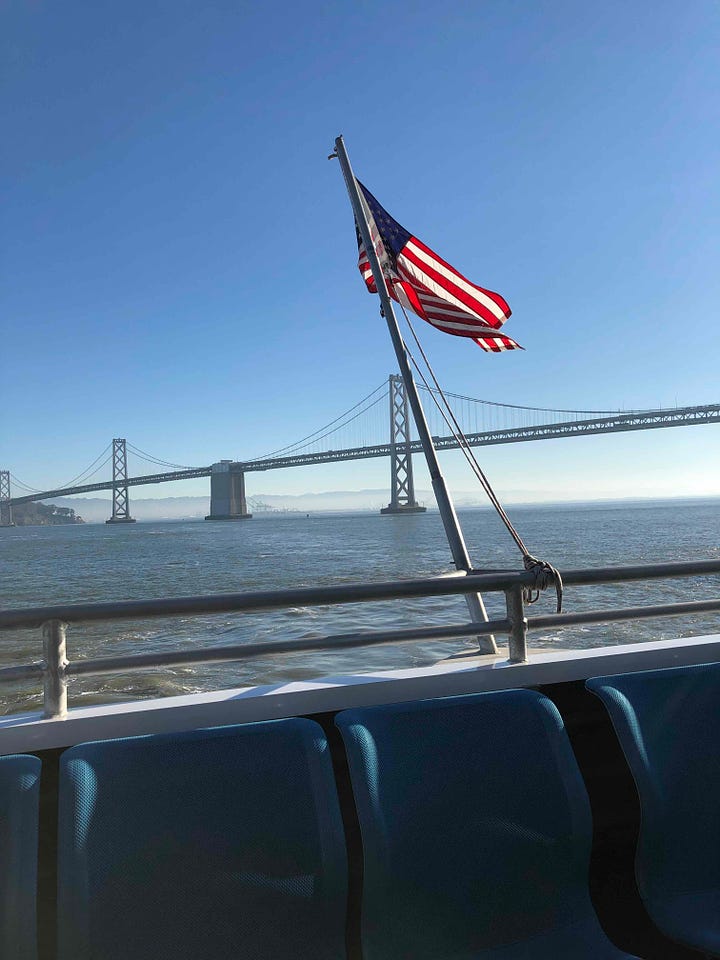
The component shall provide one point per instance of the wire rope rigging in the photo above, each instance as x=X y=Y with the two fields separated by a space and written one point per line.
x=543 y=572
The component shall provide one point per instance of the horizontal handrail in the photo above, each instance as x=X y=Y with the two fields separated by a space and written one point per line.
x=249 y=651
x=55 y=669
x=235 y=653
x=261 y=600
x=258 y=601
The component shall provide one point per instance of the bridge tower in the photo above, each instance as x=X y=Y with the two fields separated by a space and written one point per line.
x=402 y=488
x=6 y=516
x=121 y=497
x=227 y=492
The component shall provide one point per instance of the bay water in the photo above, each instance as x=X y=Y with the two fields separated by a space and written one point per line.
x=92 y=562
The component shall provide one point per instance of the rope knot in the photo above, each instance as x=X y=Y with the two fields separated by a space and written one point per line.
x=545 y=575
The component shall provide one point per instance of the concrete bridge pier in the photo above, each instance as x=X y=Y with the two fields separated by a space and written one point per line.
x=227 y=492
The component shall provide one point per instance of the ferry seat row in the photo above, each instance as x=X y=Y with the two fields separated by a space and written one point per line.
x=474 y=820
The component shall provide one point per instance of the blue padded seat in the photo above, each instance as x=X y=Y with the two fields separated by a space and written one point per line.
x=668 y=724
x=211 y=845
x=476 y=831
x=19 y=811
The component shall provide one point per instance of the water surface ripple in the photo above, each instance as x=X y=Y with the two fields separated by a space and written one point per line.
x=42 y=565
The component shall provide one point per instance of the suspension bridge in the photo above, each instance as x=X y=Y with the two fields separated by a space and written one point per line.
x=359 y=433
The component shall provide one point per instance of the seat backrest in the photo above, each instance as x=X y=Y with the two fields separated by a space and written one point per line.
x=668 y=725
x=19 y=810
x=212 y=844
x=476 y=829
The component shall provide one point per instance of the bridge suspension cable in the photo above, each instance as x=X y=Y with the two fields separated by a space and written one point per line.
x=518 y=406
x=477 y=415
x=322 y=432
x=149 y=458
x=89 y=471
x=23 y=486
x=86 y=474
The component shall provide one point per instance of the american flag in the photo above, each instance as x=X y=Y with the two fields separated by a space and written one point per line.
x=423 y=282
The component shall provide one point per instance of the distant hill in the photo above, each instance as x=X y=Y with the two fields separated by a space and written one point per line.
x=97 y=510
x=43 y=514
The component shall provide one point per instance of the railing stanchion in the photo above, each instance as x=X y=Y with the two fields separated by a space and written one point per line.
x=517 y=638
x=54 y=679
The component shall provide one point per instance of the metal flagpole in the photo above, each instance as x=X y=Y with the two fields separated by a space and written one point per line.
x=450 y=521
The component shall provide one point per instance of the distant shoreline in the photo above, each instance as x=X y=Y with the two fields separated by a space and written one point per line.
x=191 y=509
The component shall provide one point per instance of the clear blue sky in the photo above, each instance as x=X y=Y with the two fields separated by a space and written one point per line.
x=179 y=261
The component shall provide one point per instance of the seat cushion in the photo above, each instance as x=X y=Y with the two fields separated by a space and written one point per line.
x=213 y=844
x=668 y=725
x=19 y=811
x=476 y=831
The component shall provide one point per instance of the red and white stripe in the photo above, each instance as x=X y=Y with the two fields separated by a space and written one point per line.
x=436 y=292
x=418 y=264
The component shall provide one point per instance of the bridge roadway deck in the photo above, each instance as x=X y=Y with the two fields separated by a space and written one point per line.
x=622 y=422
